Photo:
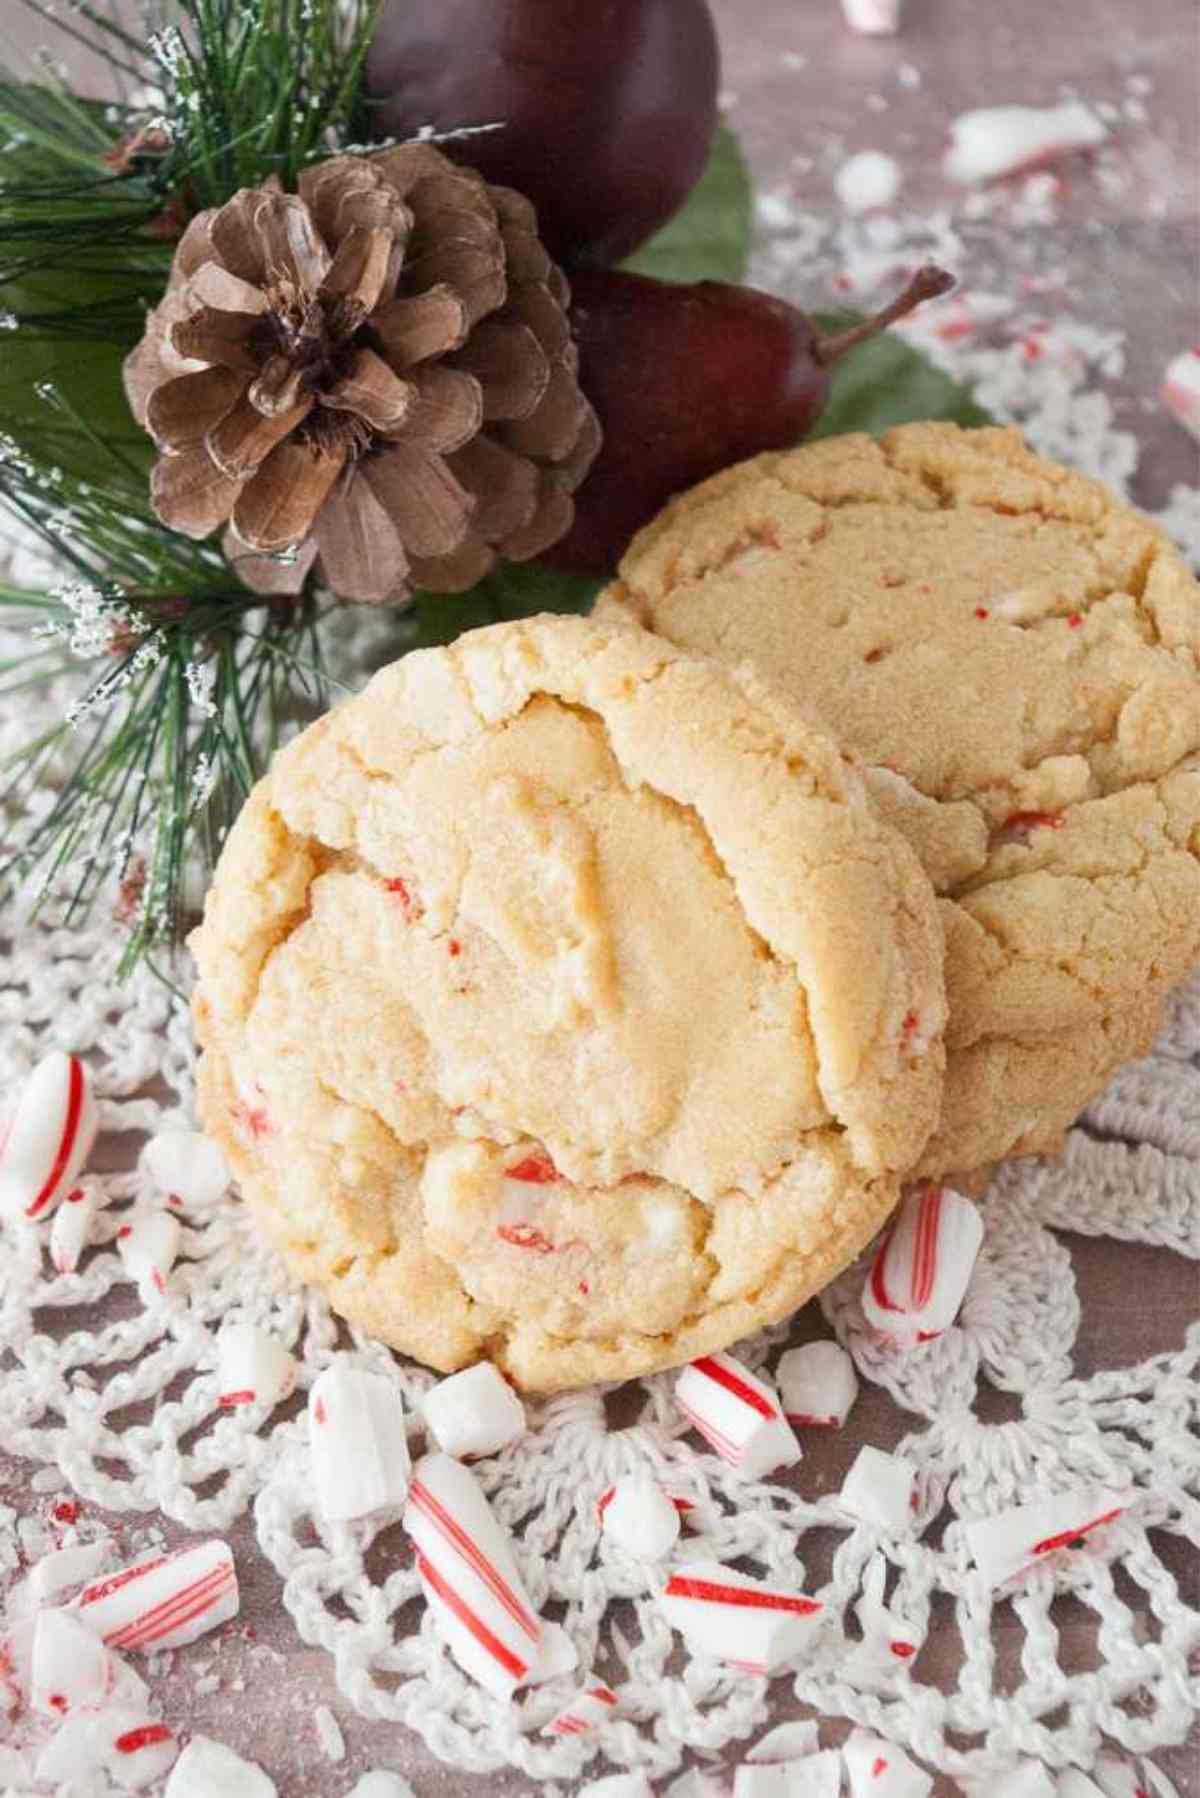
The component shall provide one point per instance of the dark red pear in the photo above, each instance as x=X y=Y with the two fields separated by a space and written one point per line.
x=688 y=379
x=606 y=108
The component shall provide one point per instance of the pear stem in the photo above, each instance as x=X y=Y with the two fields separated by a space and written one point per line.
x=928 y=282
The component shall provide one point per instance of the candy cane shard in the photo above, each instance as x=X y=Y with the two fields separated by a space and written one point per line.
x=1002 y=140
x=1122 y=1779
x=470 y=1577
x=136 y=1749
x=879 y=1490
x=148 y=1247
x=1074 y=1784
x=737 y=1413
x=589 y=1709
x=1012 y=1541
x=889 y=1644
x=817 y=1385
x=786 y=1742
x=731 y=1617
x=253 y=1368
x=816 y=1776
x=1181 y=390
x=923 y=1266
x=207 y=1769
x=557 y=1656
x=360 y=1458
x=694 y=1784
x=50 y=1136
x=878 y=1769
x=618 y=1785
x=71 y=1668
x=72 y=1227
x=186 y=1165
x=1028 y=1779
x=58 y=1573
x=164 y=1602
x=475 y=1412
x=640 y=1518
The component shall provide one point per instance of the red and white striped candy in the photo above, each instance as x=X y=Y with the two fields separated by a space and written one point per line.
x=816 y=1776
x=878 y=1769
x=207 y=1769
x=738 y=1414
x=148 y=1246
x=786 y=1742
x=72 y=1669
x=873 y=18
x=731 y=1617
x=593 y=1706
x=164 y=1602
x=72 y=1227
x=879 y=1490
x=360 y=1458
x=475 y=1412
x=1013 y=1541
x=470 y=1577
x=253 y=1368
x=1181 y=390
x=889 y=1645
x=49 y=1137
x=640 y=1518
x=185 y=1165
x=923 y=1266
x=817 y=1385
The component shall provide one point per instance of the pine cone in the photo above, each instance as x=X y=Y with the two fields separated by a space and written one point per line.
x=377 y=371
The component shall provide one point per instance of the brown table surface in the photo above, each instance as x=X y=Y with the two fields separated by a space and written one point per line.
x=1138 y=274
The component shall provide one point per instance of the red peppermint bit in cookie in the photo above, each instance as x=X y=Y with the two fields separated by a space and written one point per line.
x=408 y=904
x=1020 y=824
x=584 y=1288
x=982 y=612
x=525 y=1236
x=454 y=946
x=909 y=1028
x=1075 y=620
x=534 y=1170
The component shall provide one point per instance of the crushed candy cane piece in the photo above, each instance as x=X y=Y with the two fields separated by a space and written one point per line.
x=148 y=1249
x=207 y=1769
x=71 y=1670
x=74 y=1752
x=470 y=1577
x=1121 y=1779
x=867 y=180
x=253 y=1367
x=889 y=1644
x=72 y=1227
x=164 y=1602
x=873 y=18
x=63 y=1570
x=556 y=1657
x=49 y=1137
x=588 y=1710
x=815 y=1776
x=786 y=1742
x=475 y=1412
x=329 y=1734
x=618 y=1785
x=1012 y=1541
x=135 y=1749
x=1181 y=390
x=817 y=1385
x=640 y=1518
x=731 y=1617
x=1002 y=140
x=1028 y=1779
x=695 y=1784
x=879 y=1769
x=359 y=1450
x=374 y=1785
x=923 y=1266
x=879 y=1489
x=186 y=1165
x=1074 y=1784
x=738 y=1414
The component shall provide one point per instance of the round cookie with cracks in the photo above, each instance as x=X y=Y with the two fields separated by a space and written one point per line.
x=1013 y=656
x=557 y=999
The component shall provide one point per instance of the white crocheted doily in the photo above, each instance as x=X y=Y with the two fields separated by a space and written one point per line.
x=123 y=1400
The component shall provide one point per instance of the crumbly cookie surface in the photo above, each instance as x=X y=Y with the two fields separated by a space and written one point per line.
x=1013 y=656
x=564 y=1000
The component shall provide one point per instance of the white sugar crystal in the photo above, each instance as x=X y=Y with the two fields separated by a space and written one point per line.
x=382 y=1785
x=475 y=1412
x=817 y=1385
x=618 y=1785
x=878 y=1489
x=878 y=1769
x=640 y=1518
x=207 y=1769
x=787 y=1742
x=333 y=1742
x=867 y=180
x=360 y=1457
x=186 y=1165
x=999 y=140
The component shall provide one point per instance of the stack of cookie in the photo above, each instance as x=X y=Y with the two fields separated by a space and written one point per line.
x=576 y=996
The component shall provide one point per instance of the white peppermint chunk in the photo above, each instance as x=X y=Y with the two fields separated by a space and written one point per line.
x=873 y=18
x=359 y=1450
x=475 y=1412
x=879 y=1490
x=815 y=1776
x=731 y=1617
x=1074 y=1784
x=149 y=1246
x=1014 y=1540
x=786 y=1742
x=379 y=1785
x=65 y=1569
x=186 y=1165
x=640 y=1518
x=253 y=1367
x=1000 y=140
x=618 y=1785
x=817 y=1384
x=1028 y=1779
x=71 y=1230
x=878 y=1769
x=71 y=1669
x=207 y=1769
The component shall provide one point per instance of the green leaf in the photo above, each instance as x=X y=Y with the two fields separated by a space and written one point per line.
x=886 y=382
x=515 y=590
x=709 y=238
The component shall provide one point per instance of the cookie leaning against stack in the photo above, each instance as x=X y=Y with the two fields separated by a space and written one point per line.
x=564 y=1001
x=1013 y=656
